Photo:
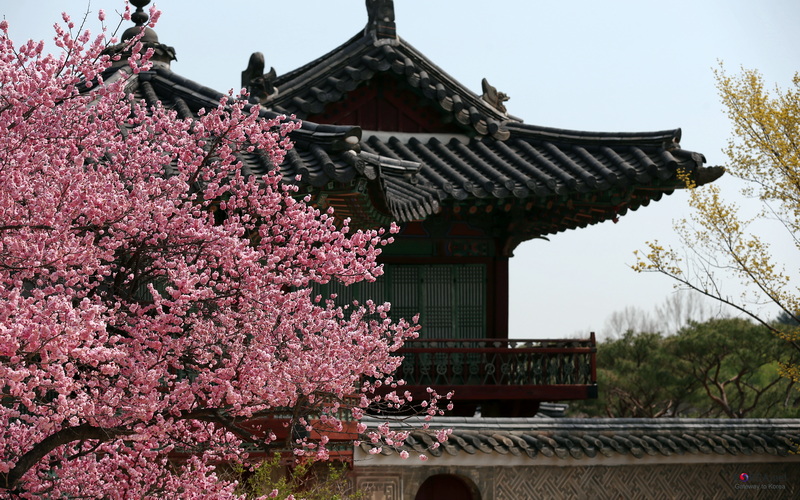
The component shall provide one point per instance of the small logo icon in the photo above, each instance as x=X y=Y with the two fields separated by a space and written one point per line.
x=744 y=477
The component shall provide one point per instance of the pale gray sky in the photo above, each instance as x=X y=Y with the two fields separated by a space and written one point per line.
x=616 y=66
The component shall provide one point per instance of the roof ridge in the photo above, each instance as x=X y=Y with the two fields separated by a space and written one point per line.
x=291 y=75
x=661 y=137
x=538 y=423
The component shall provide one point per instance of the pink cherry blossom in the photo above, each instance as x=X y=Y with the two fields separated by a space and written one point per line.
x=150 y=323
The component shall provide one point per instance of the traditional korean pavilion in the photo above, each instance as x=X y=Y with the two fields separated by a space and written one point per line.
x=388 y=136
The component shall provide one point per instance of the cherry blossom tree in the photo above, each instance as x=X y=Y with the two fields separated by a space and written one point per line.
x=155 y=302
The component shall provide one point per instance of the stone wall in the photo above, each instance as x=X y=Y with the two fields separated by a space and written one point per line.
x=708 y=481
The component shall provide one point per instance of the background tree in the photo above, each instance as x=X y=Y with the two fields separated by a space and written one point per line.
x=638 y=378
x=725 y=368
x=735 y=364
x=720 y=242
x=677 y=310
x=146 y=316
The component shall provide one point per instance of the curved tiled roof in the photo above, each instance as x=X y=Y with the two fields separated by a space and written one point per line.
x=418 y=174
x=550 y=179
x=558 y=179
x=319 y=147
x=569 y=438
x=495 y=159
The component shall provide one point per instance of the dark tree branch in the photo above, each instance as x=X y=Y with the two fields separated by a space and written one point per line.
x=84 y=432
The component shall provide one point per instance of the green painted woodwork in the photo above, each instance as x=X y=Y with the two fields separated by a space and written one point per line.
x=408 y=247
x=451 y=299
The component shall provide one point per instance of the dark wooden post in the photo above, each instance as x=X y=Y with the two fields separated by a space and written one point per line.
x=594 y=358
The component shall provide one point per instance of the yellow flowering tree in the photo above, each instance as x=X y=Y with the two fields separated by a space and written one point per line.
x=719 y=240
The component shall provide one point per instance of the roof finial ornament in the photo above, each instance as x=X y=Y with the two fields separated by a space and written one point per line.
x=140 y=16
x=380 y=21
x=162 y=54
x=493 y=97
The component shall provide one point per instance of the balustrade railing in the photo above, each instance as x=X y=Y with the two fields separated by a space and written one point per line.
x=498 y=362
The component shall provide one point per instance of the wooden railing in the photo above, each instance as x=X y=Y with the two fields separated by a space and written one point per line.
x=509 y=363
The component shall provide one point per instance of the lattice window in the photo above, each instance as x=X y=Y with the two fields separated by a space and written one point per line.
x=450 y=298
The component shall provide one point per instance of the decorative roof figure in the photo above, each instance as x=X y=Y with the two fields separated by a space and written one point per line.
x=259 y=84
x=493 y=97
x=381 y=19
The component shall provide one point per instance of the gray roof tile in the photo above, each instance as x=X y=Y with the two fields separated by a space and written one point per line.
x=577 y=438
